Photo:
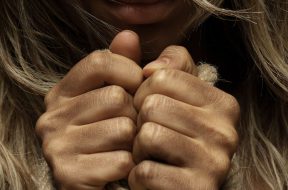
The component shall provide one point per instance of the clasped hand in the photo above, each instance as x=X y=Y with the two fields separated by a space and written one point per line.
x=104 y=123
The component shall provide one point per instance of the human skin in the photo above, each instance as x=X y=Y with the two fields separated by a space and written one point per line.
x=159 y=126
x=104 y=123
x=156 y=30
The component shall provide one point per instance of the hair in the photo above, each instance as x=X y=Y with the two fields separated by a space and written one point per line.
x=39 y=44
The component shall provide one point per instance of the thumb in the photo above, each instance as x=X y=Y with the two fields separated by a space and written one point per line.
x=172 y=57
x=178 y=57
x=127 y=44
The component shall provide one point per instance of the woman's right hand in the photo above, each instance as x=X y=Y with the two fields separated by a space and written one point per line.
x=88 y=128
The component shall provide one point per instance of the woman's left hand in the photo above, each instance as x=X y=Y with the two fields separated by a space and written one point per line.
x=186 y=128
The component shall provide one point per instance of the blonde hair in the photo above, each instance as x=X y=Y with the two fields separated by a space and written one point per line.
x=39 y=44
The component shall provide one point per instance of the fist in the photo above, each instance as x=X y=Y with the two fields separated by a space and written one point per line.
x=89 y=125
x=186 y=127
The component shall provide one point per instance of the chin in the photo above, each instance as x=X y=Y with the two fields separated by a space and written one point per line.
x=155 y=38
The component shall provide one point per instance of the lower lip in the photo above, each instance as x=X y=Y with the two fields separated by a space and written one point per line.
x=138 y=12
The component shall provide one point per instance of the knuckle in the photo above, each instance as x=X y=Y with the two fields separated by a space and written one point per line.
x=228 y=139
x=49 y=122
x=144 y=171
x=101 y=58
x=235 y=111
x=183 y=52
x=125 y=161
x=232 y=107
x=232 y=140
x=43 y=125
x=217 y=162
x=127 y=129
x=40 y=126
x=221 y=165
x=53 y=149
x=149 y=136
x=226 y=103
x=159 y=78
x=118 y=95
x=183 y=56
x=151 y=104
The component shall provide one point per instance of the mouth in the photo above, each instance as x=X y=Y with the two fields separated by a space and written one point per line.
x=137 y=12
x=123 y=2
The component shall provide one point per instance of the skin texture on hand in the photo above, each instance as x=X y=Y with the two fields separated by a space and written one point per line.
x=127 y=44
x=185 y=123
x=104 y=123
x=88 y=128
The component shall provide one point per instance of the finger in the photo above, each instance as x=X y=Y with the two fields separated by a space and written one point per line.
x=103 y=136
x=104 y=103
x=176 y=115
x=173 y=57
x=111 y=166
x=77 y=186
x=159 y=176
x=177 y=85
x=94 y=169
x=191 y=90
x=191 y=121
x=156 y=142
x=93 y=71
x=127 y=44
